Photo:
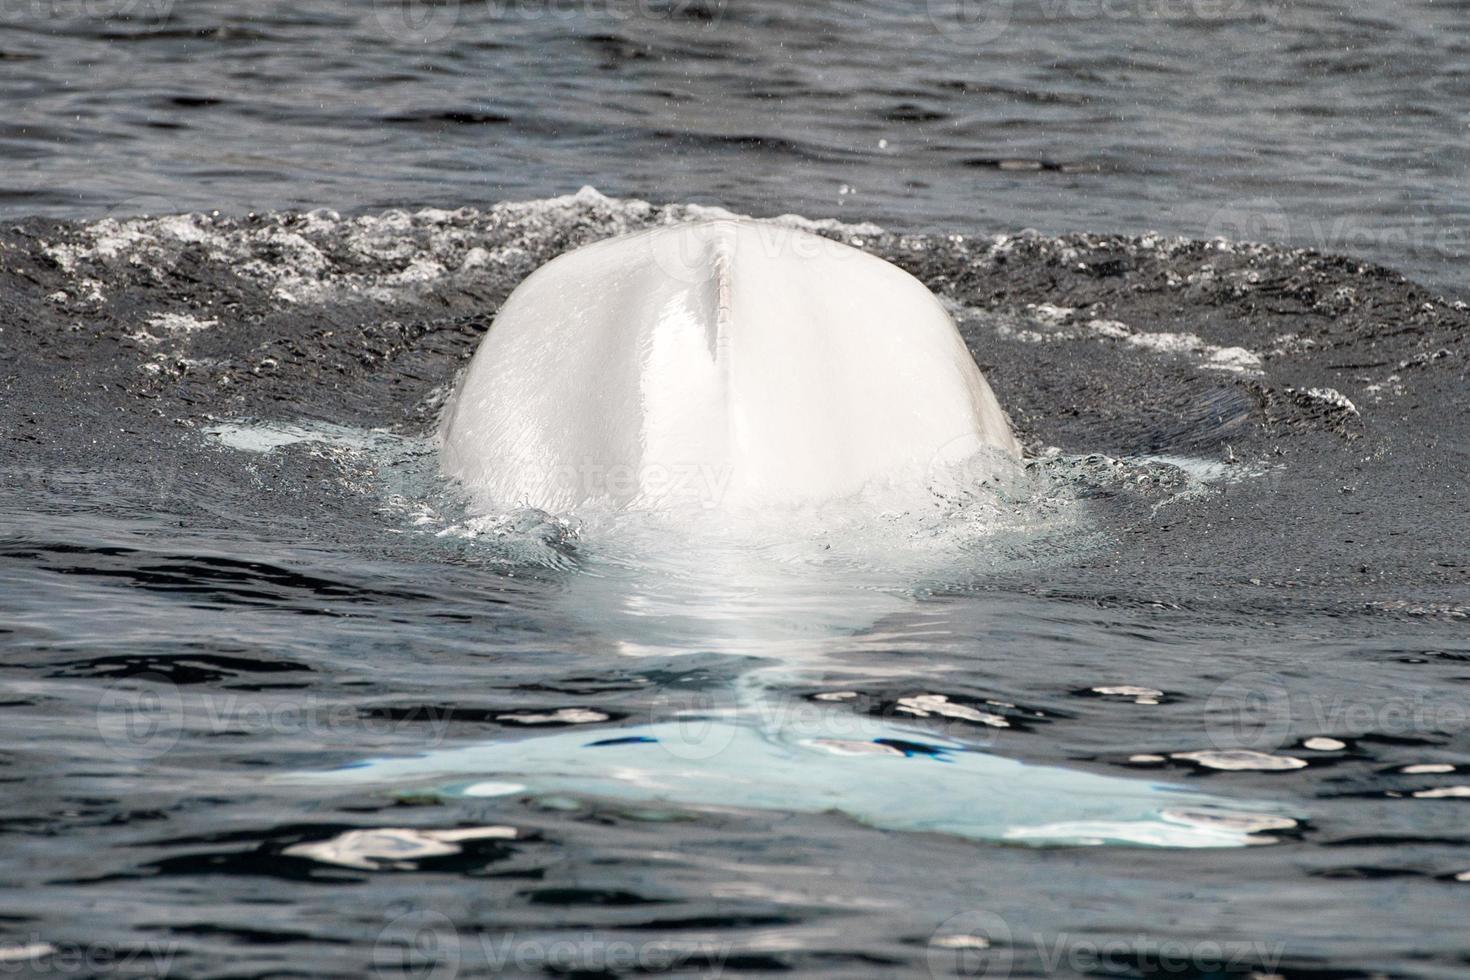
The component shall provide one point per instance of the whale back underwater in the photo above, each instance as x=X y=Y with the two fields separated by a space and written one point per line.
x=1175 y=659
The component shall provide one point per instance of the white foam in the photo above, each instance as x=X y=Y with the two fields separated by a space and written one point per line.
x=1050 y=323
x=171 y=326
x=301 y=259
x=1115 y=329
x=1051 y=313
x=1332 y=397
x=1139 y=695
x=1236 y=360
x=265 y=437
x=176 y=323
x=1202 y=470
x=392 y=848
x=923 y=705
x=562 y=716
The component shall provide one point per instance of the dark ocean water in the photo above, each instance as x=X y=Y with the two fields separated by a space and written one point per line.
x=1342 y=127
x=1188 y=697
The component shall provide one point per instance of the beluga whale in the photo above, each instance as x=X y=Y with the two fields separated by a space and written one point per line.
x=818 y=409
x=727 y=363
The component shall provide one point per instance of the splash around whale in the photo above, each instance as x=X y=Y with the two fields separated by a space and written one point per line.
x=724 y=364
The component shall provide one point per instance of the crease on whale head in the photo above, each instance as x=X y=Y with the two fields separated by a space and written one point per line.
x=717 y=364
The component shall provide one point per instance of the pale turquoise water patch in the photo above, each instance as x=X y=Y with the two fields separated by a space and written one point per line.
x=882 y=775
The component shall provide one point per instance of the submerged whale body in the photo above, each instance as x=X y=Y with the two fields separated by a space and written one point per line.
x=722 y=363
x=878 y=773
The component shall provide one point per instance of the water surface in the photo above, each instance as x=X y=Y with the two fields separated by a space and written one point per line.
x=276 y=703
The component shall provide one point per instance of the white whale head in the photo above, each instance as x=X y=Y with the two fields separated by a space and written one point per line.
x=727 y=363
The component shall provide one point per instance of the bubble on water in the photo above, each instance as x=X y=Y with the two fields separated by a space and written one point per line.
x=562 y=716
x=392 y=848
x=1240 y=760
x=1443 y=793
x=1322 y=743
x=491 y=788
x=924 y=705
x=1139 y=695
x=960 y=942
